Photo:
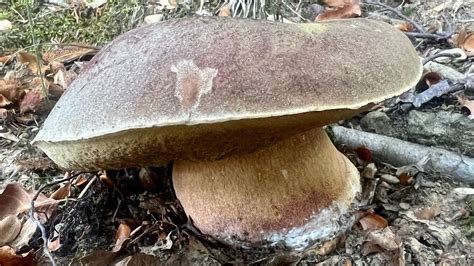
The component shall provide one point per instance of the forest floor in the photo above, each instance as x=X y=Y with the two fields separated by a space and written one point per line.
x=407 y=214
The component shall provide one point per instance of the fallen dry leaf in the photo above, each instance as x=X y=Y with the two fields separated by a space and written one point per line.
x=10 y=227
x=11 y=89
x=28 y=229
x=68 y=54
x=405 y=178
x=138 y=259
x=369 y=171
x=35 y=100
x=373 y=221
x=384 y=238
x=80 y=180
x=32 y=62
x=347 y=11
x=122 y=235
x=330 y=246
x=100 y=257
x=62 y=192
x=8 y=257
x=467 y=105
x=3 y=113
x=428 y=213
x=4 y=101
x=432 y=78
x=405 y=26
x=106 y=180
x=224 y=11
x=370 y=248
x=5 y=58
x=468 y=44
x=54 y=245
x=16 y=200
x=339 y=3
x=148 y=179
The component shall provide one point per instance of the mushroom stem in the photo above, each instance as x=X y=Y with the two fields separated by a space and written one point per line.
x=295 y=191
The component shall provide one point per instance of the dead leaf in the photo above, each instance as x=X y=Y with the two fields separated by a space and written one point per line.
x=31 y=62
x=3 y=113
x=138 y=259
x=16 y=200
x=384 y=238
x=68 y=54
x=8 y=257
x=405 y=178
x=405 y=26
x=224 y=11
x=80 y=180
x=467 y=105
x=468 y=44
x=432 y=78
x=369 y=171
x=36 y=100
x=54 y=245
x=338 y=3
x=10 y=227
x=62 y=192
x=373 y=221
x=28 y=229
x=330 y=246
x=5 y=59
x=106 y=180
x=390 y=179
x=148 y=179
x=347 y=11
x=11 y=89
x=122 y=234
x=370 y=248
x=162 y=244
x=100 y=257
x=428 y=213
x=4 y=101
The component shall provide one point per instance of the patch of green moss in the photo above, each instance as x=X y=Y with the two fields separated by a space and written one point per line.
x=74 y=24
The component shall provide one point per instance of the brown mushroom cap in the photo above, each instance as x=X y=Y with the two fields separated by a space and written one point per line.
x=194 y=88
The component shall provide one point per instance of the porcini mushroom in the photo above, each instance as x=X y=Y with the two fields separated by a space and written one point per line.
x=239 y=106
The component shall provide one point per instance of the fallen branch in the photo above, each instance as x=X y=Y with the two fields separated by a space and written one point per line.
x=400 y=153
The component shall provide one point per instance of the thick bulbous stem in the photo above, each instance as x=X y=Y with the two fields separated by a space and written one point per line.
x=293 y=191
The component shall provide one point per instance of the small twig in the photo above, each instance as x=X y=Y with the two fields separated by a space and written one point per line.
x=431 y=58
x=466 y=20
x=86 y=188
x=429 y=35
x=31 y=213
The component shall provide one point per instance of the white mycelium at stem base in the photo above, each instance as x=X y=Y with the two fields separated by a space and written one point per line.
x=292 y=191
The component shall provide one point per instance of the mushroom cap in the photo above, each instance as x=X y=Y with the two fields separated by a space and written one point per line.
x=193 y=88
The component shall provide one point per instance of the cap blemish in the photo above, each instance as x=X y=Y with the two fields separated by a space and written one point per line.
x=192 y=83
